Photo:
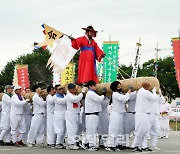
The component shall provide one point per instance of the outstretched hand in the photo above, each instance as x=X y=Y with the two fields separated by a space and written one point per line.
x=103 y=55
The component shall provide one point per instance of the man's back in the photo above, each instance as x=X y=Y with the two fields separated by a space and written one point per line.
x=143 y=101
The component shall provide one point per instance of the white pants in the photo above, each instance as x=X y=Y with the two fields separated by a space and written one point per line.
x=72 y=125
x=59 y=127
x=18 y=126
x=37 y=129
x=154 y=131
x=50 y=129
x=91 y=129
x=164 y=126
x=115 y=129
x=142 y=129
x=5 y=121
x=28 y=118
x=5 y=126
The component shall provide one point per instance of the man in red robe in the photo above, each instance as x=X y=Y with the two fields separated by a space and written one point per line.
x=89 y=53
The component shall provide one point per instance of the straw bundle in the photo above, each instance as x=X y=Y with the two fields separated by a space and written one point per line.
x=1 y=95
x=135 y=82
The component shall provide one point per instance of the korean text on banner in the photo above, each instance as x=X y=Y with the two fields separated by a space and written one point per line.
x=110 y=63
x=23 y=76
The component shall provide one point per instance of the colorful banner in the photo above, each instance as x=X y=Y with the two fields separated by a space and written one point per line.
x=67 y=75
x=110 y=62
x=51 y=34
x=100 y=71
x=22 y=76
x=40 y=45
x=63 y=52
x=176 y=49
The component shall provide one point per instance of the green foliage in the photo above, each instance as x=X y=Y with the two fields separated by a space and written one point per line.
x=75 y=62
x=165 y=75
x=127 y=69
x=38 y=73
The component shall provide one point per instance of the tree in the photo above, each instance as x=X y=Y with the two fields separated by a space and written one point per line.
x=38 y=73
x=165 y=75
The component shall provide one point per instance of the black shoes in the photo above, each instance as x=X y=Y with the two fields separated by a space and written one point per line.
x=8 y=143
x=147 y=149
x=1 y=142
x=21 y=143
x=136 y=149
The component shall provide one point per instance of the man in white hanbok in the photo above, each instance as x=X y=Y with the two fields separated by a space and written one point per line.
x=59 y=116
x=73 y=116
x=17 y=120
x=143 y=111
x=50 y=117
x=5 y=115
x=37 y=129
x=165 y=111
x=93 y=107
x=116 y=129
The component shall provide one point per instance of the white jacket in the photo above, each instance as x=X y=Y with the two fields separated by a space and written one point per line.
x=93 y=102
x=73 y=102
x=156 y=105
x=17 y=105
x=6 y=103
x=144 y=101
x=60 y=104
x=50 y=104
x=118 y=102
x=38 y=104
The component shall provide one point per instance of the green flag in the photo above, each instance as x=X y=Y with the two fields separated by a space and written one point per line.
x=110 y=62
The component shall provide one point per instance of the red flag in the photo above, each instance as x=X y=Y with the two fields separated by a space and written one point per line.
x=44 y=32
x=23 y=77
x=176 y=49
x=44 y=47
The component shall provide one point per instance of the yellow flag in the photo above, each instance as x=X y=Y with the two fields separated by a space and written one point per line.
x=67 y=75
x=51 y=34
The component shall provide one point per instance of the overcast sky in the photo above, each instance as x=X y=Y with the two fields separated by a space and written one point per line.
x=125 y=20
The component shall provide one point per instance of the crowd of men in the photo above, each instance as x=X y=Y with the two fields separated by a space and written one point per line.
x=85 y=120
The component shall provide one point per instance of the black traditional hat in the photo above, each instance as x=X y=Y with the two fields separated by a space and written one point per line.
x=90 y=28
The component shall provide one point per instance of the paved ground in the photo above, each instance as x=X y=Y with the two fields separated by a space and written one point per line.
x=168 y=146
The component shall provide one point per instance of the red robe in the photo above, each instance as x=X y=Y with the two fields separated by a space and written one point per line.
x=87 y=59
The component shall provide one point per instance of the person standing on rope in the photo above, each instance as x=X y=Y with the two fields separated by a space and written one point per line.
x=90 y=52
